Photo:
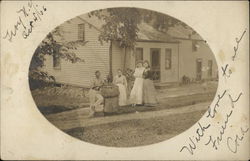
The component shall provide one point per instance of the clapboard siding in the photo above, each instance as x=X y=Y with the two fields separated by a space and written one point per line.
x=94 y=54
x=96 y=57
x=117 y=53
x=188 y=59
x=166 y=75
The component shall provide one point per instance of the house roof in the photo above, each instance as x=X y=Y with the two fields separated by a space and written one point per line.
x=146 y=32
x=180 y=32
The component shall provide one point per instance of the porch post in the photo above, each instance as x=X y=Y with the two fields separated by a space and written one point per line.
x=110 y=58
x=125 y=57
x=110 y=62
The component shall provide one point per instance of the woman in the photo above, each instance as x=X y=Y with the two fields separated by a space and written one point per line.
x=121 y=81
x=136 y=92
x=149 y=92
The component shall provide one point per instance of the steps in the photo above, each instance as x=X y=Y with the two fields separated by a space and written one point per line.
x=166 y=85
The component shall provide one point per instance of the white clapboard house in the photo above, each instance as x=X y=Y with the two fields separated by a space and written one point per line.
x=171 y=55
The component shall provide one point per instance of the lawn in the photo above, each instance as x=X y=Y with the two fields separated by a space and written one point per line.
x=137 y=132
x=56 y=99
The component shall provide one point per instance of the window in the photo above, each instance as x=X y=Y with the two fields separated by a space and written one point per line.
x=168 y=58
x=138 y=54
x=56 y=61
x=155 y=59
x=210 y=68
x=81 y=32
x=195 y=45
x=198 y=69
x=56 y=58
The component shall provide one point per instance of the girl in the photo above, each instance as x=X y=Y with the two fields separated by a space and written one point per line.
x=121 y=81
x=149 y=92
x=136 y=92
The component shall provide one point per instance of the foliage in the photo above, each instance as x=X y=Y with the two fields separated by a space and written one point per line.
x=54 y=45
x=161 y=22
x=128 y=73
x=121 y=24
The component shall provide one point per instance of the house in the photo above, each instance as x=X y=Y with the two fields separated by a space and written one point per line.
x=196 y=59
x=171 y=55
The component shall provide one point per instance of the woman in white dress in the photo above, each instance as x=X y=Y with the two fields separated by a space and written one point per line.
x=136 y=95
x=121 y=81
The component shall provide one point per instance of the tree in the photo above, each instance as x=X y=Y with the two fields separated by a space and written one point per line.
x=54 y=45
x=162 y=22
x=121 y=25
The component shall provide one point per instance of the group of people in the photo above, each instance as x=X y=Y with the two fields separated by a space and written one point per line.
x=142 y=93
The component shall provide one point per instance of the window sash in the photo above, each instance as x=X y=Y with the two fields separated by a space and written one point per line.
x=81 y=32
x=168 y=59
x=138 y=54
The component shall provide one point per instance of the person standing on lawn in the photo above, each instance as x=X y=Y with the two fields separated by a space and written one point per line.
x=121 y=81
x=149 y=91
x=95 y=97
x=136 y=97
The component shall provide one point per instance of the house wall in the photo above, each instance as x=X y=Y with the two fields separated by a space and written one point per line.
x=167 y=75
x=117 y=57
x=188 y=59
x=94 y=54
x=183 y=59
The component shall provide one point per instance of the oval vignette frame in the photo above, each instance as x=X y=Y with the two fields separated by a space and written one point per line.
x=183 y=74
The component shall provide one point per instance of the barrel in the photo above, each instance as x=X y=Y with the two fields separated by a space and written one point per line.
x=111 y=97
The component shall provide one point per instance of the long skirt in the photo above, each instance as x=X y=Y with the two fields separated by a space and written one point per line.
x=122 y=95
x=136 y=92
x=149 y=93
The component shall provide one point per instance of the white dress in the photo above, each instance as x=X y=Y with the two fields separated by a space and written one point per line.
x=121 y=82
x=136 y=94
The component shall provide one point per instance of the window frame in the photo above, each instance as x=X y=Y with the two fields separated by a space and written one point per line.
x=210 y=70
x=137 y=53
x=168 y=58
x=81 y=32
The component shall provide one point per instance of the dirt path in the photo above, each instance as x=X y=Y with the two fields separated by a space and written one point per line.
x=78 y=118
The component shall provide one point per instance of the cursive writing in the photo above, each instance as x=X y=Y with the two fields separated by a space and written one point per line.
x=226 y=71
x=238 y=40
x=215 y=141
x=28 y=16
x=212 y=111
x=200 y=131
x=233 y=142
x=223 y=121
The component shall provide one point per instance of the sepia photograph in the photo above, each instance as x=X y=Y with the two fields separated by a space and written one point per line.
x=123 y=77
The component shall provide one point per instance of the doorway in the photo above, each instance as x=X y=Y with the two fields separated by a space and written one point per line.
x=198 y=69
x=155 y=63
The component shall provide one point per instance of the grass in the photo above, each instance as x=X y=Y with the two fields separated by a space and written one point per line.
x=61 y=104
x=52 y=100
x=57 y=99
x=137 y=132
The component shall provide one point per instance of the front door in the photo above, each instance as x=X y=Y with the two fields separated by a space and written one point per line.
x=198 y=69
x=155 y=63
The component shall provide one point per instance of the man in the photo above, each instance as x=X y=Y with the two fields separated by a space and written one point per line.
x=95 y=97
